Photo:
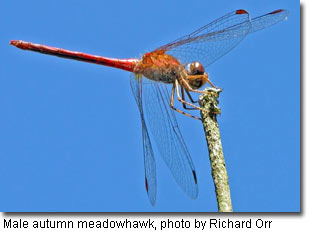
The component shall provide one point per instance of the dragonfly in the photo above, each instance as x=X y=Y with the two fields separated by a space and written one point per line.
x=179 y=66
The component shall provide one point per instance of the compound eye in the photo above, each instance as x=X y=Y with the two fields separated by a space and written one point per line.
x=195 y=68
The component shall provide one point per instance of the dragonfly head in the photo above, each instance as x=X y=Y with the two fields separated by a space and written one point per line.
x=196 y=75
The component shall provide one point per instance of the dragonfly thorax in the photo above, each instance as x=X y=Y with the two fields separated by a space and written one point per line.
x=159 y=66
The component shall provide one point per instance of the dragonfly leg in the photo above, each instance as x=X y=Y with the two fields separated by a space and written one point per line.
x=189 y=95
x=183 y=98
x=187 y=87
x=209 y=81
x=176 y=85
x=178 y=110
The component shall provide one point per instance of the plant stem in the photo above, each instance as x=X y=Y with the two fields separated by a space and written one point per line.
x=209 y=102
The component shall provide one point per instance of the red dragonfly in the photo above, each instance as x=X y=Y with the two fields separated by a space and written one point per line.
x=181 y=64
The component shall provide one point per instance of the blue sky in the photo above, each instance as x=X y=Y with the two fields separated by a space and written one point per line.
x=70 y=132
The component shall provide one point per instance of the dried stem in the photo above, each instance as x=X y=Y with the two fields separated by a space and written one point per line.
x=209 y=101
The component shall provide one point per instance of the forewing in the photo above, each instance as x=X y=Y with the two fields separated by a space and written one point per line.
x=268 y=20
x=209 y=43
x=165 y=131
x=149 y=160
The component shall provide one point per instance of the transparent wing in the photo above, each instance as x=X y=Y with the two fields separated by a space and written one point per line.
x=214 y=40
x=149 y=160
x=166 y=133
x=268 y=20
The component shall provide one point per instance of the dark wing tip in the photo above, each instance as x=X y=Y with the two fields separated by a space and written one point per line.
x=146 y=185
x=276 y=11
x=194 y=196
x=280 y=11
x=152 y=200
x=195 y=177
x=241 y=11
x=284 y=13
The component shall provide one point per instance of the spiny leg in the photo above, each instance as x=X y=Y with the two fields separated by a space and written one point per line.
x=183 y=98
x=189 y=96
x=185 y=84
x=209 y=81
x=176 y=85
x=179 y=111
